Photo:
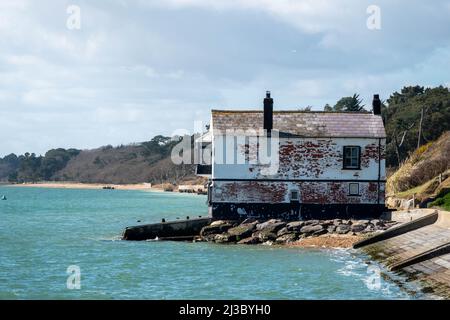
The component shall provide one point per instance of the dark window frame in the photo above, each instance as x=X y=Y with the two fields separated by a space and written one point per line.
x=349 y=189
x=297 y=193
x=346 y=167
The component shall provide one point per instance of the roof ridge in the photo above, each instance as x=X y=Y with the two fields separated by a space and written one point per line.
x=291 y=111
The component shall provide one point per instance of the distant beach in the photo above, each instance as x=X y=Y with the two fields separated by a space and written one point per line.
x=78 y=185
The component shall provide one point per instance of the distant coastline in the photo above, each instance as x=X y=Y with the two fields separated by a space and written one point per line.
x=79 y=185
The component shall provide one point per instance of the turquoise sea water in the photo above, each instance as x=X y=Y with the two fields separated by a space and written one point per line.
x=44 y=231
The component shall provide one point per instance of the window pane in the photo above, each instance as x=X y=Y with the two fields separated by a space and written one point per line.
x=354 y=188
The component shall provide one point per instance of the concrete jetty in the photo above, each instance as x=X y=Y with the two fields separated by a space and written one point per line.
x=418 y=249
x=178 y=230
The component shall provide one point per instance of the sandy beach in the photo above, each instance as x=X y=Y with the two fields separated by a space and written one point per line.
x=327 y=241
x=78 y=185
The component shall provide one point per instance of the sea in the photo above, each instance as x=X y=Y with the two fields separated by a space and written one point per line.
x=65 y=244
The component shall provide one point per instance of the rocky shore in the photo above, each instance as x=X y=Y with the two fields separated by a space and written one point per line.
x=321 y=233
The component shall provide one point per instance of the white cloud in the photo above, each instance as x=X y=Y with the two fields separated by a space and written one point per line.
x=139 y=68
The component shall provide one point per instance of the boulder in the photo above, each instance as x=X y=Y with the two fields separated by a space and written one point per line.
x=265 y=235
x=217 y=222
x=375 y=221
x=215 y=228
x=369 y=228
x=319 y=232
x=331 y=229
x=286 y=238
x=250 y=240
x=271 y=225
x=309 y=229
x=326 y=223
x=360 y=221
x=283 y=231
x=343 y=229
x=337 y=222
x=223 y=238
x=295 y=225
x=249 y=220
x=242 y=231
x=311 y=222
x=358 y=227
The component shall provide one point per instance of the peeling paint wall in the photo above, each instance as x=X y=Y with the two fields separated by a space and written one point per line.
x=323 y=192
x=313 y=167
x=301 y=158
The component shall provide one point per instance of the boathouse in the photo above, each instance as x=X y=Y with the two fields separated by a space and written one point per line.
x=321 y=164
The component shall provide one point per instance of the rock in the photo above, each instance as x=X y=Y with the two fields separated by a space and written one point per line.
x=369 y=228
x=286 y=238
x=271 y=225
x=375 y=221
x=331 y=229
x=311 y=229
x=198 y=239
x=295 y=225
x=217 y=222
x=360 y=222
x=224 y=238
x=342 y=229
x=283 y=231
x=358 y=227
x=268 y=243
x=264 y=224
x=215 y=228
x=265 y=235
x=249 y=220
x=242 y=231
x=337 y=222
x=319 y=232
x=250 y=240
x=312 y=222
x=326 y=223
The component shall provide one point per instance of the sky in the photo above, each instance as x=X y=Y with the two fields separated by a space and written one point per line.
x=117 y=72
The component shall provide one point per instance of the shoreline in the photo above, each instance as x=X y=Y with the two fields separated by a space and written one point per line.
x=80 y=185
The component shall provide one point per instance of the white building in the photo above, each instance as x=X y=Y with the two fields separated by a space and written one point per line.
x=322 y=164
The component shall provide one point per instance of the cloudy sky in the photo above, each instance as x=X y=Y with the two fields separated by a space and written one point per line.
x=135 y=68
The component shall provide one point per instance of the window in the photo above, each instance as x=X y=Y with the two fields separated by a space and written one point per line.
x=351 y=157
x=294 y=195
x=353 y=189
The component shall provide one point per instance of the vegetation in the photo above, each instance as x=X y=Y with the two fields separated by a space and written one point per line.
x=414 y=117
x=351 y=104
x=426 y=163
x=31 y=168
x=443 y=202
x=135 y=163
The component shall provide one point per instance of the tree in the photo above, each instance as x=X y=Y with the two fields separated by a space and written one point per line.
x=327 y=108
x=407 y=125
x=352 y=103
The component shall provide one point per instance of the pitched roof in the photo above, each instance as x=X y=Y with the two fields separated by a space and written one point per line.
x=305 y=124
